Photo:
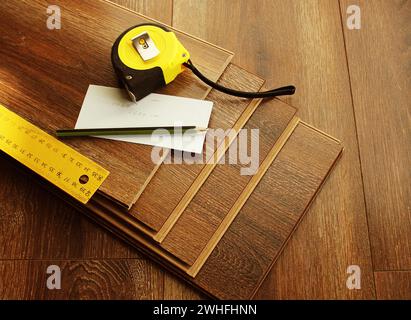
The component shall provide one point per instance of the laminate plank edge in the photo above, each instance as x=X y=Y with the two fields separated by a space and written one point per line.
x=225 y=224
x=255 y=239
x=151 y=209
x=252 y=243
x=202 y=177
x=224 y=186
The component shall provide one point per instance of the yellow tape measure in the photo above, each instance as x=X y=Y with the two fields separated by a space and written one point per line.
x=50 y=158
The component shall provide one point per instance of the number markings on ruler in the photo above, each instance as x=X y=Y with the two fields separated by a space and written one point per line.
x=50 y=158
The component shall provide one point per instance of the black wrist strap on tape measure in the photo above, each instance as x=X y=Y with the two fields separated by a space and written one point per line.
x=283 y=91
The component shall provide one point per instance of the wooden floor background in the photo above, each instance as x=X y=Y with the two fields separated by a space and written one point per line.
x=353 y=84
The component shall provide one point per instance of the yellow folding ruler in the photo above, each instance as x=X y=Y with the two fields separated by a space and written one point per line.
x=50 y=158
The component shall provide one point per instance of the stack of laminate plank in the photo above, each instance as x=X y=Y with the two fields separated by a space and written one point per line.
x=219 y=230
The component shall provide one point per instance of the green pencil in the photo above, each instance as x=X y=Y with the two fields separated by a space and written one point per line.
x=123 y=131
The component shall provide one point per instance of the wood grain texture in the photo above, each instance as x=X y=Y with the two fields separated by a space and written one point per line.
x=161 y=10
x=206 y=171
x=307 y=48
x=301 y=42
x=158 y=200
x=393 y=285
x=35 y=224
x=175 y=288
x=43 y=227
x=245 y=255
x=223 y=187
x=379 y=56
x=81 y=280
x=253 y=242
x=43 y=73
x=272 y=118
x=249 y=189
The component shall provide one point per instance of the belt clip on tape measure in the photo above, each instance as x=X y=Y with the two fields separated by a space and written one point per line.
x=149 y=56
